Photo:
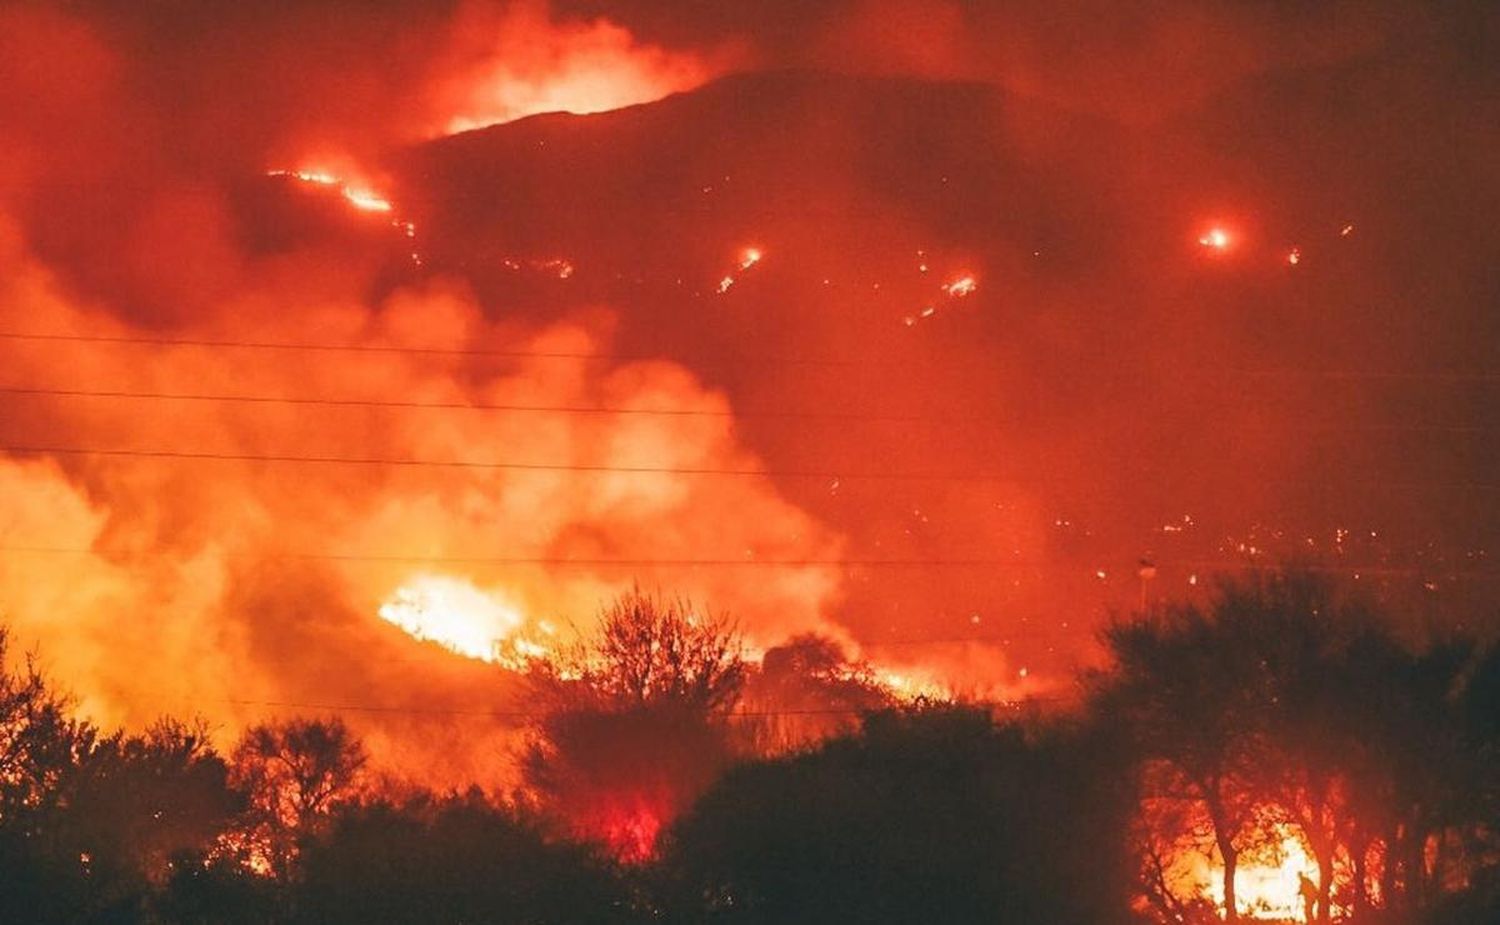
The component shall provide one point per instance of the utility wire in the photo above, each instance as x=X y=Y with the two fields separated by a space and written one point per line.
x=700 y=471
x=841 y=416
x=1479 y=375
x=465 y=405
x=496 y=353
x=1192 y=565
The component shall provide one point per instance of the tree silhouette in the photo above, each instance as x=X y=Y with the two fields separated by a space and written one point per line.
x=41 y=746
x=1188 y=704
x=293 y=773
x=928 y=815
x=804 y=691
x=1288 y=701
x=634 y=724
x=450 y=860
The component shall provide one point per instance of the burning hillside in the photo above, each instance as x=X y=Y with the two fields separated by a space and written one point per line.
x=919 y=355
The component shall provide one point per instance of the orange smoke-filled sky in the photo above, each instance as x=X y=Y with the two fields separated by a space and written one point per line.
x=1024 y=315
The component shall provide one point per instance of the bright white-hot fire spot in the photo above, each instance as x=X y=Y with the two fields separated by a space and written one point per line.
x=908 y=685
x=1217 y=239
x=462 y=618
x=747 y=258
x=365 y=200
x=1269 y=887
x=961 y=287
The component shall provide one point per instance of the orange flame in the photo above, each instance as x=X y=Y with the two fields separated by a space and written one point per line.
x=361 y=197
x=964 y=285
x=1269 y=884
x=464 y=619
x=522 y=62
x=1216 y=239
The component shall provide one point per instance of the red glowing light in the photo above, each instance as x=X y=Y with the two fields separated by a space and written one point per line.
x=1294 y=256
x=631 y=831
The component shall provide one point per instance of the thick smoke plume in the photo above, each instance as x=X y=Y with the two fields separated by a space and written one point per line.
x=220 y=585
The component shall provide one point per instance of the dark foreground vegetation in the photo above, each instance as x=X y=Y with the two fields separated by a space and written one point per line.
x=663 y=781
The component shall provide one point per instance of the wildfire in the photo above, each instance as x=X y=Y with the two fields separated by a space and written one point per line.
x=1268 y=886
x=963 y=286
x=361 y=197
x=1216 y=239
x=518 y=63
x=909 y=686
x=366 y=201
x=631 y=829
x=466 y=620
x=748 y=258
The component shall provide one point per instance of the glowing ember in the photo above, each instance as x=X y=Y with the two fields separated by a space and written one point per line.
x=1294 y=256
x=961 y=287
x=462 y=618
x=366 y=201
x=747 y=258
x=1216 y=239
x=361 y=197
x=307 y=176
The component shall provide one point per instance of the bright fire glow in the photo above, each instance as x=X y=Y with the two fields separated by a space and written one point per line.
x=462 y=618
x=749 y=257
x=961 y=287
x=1294 y=256
x=1269 y=887
x=631 y=829
x=1217 y=239
x=517 y=63
x=365 y=200
x=909 y=685
x=361 y=197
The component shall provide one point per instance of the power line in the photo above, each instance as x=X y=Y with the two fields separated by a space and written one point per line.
x=496 y=464
x=1200 y=565
x=703 y=471
x=587 y=356
x=299 y=401
x=464 y=405
x=582 y=356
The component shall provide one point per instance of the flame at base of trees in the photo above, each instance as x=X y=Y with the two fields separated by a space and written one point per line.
x=1275 y=878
